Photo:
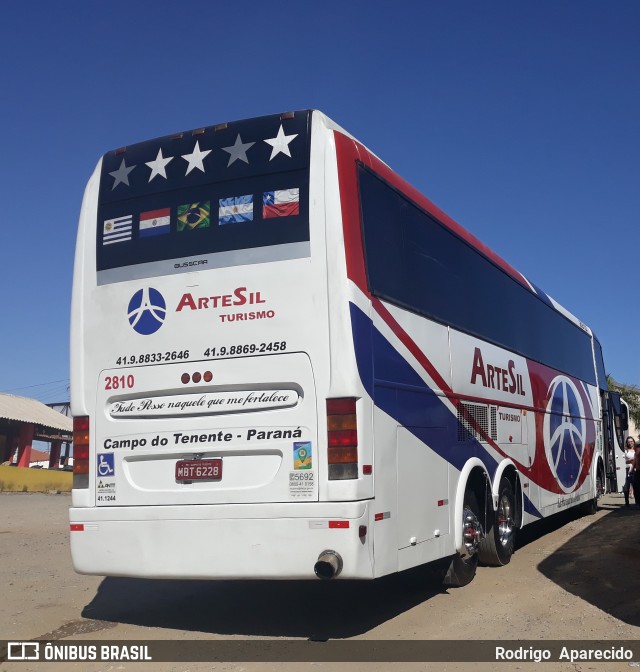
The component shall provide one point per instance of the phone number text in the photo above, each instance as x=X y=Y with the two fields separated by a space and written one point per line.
x=152 y=357
x=246 y=349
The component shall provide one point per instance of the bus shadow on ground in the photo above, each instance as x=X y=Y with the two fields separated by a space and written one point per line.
x=600 y=564
x=316 y=610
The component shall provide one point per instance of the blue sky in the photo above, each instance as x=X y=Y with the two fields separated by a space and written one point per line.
x=520 y=119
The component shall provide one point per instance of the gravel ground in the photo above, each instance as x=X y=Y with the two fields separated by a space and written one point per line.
x=571 y=578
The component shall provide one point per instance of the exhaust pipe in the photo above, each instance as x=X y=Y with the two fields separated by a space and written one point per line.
x=328 y=565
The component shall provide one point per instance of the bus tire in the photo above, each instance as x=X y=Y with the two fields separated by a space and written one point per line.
x=496 y=548
x=462 y=568
x=591 y=507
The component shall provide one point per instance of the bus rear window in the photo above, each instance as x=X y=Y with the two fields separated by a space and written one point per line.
x=213 y=199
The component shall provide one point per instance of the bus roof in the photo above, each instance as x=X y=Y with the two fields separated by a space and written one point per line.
x=227 y=151
x=243 y=149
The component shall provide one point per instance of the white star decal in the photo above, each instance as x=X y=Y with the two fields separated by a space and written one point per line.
x=196 y=158
x=280 y=143
x=238 y=150
x=158 y=166
x=121 y=175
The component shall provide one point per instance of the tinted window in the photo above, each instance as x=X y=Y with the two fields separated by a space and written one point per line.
x=602 y=376
x=221 y=195
x=415 y=262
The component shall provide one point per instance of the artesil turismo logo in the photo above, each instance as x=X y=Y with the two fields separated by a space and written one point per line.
x=565 y=431
x=147 y=311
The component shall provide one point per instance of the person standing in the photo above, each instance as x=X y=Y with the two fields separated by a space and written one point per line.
x=635 y=478
x=629 y=454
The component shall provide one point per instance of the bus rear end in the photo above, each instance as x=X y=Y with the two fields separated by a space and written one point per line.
x=201 y=384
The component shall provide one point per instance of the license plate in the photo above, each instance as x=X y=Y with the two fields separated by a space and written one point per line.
x=199 y=470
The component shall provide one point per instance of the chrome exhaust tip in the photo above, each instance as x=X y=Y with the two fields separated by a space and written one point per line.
x=328 y=565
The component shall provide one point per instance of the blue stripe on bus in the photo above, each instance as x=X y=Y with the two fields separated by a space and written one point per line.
x=399 y=391
x=530 y=508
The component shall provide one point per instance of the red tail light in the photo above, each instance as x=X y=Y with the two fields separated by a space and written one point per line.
x=342 y=435
x=81 y=445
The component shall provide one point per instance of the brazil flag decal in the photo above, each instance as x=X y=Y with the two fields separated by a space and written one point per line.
x=194 y=216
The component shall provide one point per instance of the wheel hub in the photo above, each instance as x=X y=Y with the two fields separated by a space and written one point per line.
x=505 y=521
x=472 y=533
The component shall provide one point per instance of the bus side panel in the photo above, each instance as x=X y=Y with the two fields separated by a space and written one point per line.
x=555 y=452
x=410 y=423
x=423 y=497
x=385 y=512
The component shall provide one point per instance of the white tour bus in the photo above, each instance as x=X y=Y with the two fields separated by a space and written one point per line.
x=286 y=361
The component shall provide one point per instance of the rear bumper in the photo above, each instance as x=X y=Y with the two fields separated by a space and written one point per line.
x=233 y=541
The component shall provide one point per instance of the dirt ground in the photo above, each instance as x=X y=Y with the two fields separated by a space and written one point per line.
x=571 y=578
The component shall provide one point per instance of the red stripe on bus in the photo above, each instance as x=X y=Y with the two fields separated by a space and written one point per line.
x=348 y=152
x=411 y=345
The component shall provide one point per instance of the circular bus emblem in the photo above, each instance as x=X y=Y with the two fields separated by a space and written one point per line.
x=147 y=311
x=564 y=432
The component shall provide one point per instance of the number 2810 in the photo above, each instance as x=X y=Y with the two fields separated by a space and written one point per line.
x=119 y=382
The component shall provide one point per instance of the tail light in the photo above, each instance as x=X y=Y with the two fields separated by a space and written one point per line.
x=342 y=434
x=81 y=452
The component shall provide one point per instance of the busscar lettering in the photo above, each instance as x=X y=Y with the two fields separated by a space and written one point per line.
x=496 y=377
x=187 y=264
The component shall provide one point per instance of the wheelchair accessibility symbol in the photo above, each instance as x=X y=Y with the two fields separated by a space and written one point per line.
x=105 y=465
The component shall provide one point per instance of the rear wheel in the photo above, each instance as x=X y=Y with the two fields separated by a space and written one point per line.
x=463 y=565
x=496 y=548
x=591 y=506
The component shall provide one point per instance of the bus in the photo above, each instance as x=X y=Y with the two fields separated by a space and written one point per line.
x=288 y=363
